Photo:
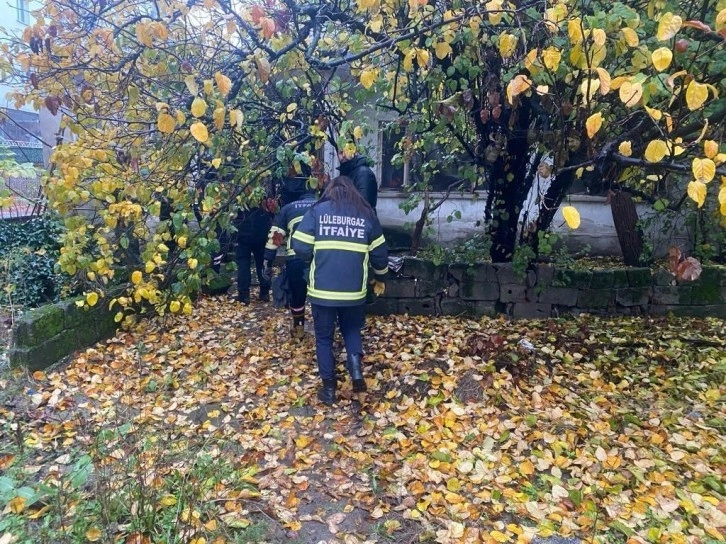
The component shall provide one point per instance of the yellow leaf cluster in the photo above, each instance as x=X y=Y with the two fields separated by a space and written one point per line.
x=519 y=84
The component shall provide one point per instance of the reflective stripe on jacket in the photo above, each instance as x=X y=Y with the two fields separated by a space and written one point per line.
x=340 y=244
x=286 y=222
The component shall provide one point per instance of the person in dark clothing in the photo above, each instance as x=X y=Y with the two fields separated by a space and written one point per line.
x=252 y=227
x=339 y=236
x=285 y=224
x=359 y=171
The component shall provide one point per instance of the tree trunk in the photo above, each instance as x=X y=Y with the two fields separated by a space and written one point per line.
x=625 y=218
x=419 y=227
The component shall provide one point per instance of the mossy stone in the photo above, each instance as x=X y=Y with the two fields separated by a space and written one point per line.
x=38 y=325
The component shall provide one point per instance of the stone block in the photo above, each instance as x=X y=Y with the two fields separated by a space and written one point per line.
x=705 y=292
x=639 y=277
x=400 y=288
x=620 y=278
x=417 y=306
x=422 y=269
x=545 y=275
x=633 y=296
x=707 y=310
x=531 y=310
x=482 y=308
x=45 y=354
x=475 y=272
x=713 y=274
x=595 y=298
x=561 y=296
x=425 y=288
x=665 y=294
x=513 y=293
x=457 y=306
x=663 y=277
x=38 y=325
x=476 y=290
x=383 y=306
x=506 y=274
x=578 y=279
x=601 y=279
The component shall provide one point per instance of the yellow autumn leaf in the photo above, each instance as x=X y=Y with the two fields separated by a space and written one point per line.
x=94 y=534
x=572 y=216
x=599 y=37
x=662 y=58
x=696 y=95
x=551 y=58
x=192 y=263
x=519 y=84
x=165 y=123
x=92 y=298
x=169 y=500
x=442 y=50
x=697 y=192
x=721 y=20
x=631 y=37
x=358 y=132
x=668 y=26
x=499 y=536
x=574 y=30
x=654 y=113
x=17 y=505
x=526 y=467
x=710 y=148
x=199 y=131
x=368 y=77
x=422 y=56
x=704 y=170
x=216 y=162
x=218 y=117
x=630 y=93
x=199 y=107
x=174 y=306
x=143 y=35
x=136 y=277
x=208 y=86
x=605 y=81
x=191 y=83
x=507 y=44
x=655 y=151
x=492 y=7
x=224 y=84
x=625 y=148
x=593 y=124
x=180 y=118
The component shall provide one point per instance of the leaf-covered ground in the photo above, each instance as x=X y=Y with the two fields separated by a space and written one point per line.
x=206 y=429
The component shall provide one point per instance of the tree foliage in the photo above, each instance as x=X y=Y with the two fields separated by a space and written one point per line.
x=163 y=96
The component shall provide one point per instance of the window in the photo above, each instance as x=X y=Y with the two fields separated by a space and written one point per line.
x=23 y=11
x=392 y=176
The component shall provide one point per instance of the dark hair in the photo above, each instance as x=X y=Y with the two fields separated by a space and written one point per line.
x=341 y=192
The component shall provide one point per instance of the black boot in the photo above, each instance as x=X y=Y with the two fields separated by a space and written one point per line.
x=298 y=327
x=326 y=394
x=355 y=369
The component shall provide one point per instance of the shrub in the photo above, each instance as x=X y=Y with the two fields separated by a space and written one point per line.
x=28 y=253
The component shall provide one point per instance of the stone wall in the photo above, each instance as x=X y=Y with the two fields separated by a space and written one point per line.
x=47 y=334
x=423 y=288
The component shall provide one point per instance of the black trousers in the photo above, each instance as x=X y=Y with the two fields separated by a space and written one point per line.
x=295 y=269
x=243 y=257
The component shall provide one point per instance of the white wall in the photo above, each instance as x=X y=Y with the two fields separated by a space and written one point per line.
x=596 y=227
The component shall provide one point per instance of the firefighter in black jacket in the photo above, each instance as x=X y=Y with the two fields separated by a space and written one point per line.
x=286 y=223
x=358 y=169
x=252 y=228
x=339 y=236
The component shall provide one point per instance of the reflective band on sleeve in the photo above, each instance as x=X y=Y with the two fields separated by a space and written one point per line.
x=294 y=221
x=377 y=242
x=380 y=272
x=302 y=237
x=345 y=246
